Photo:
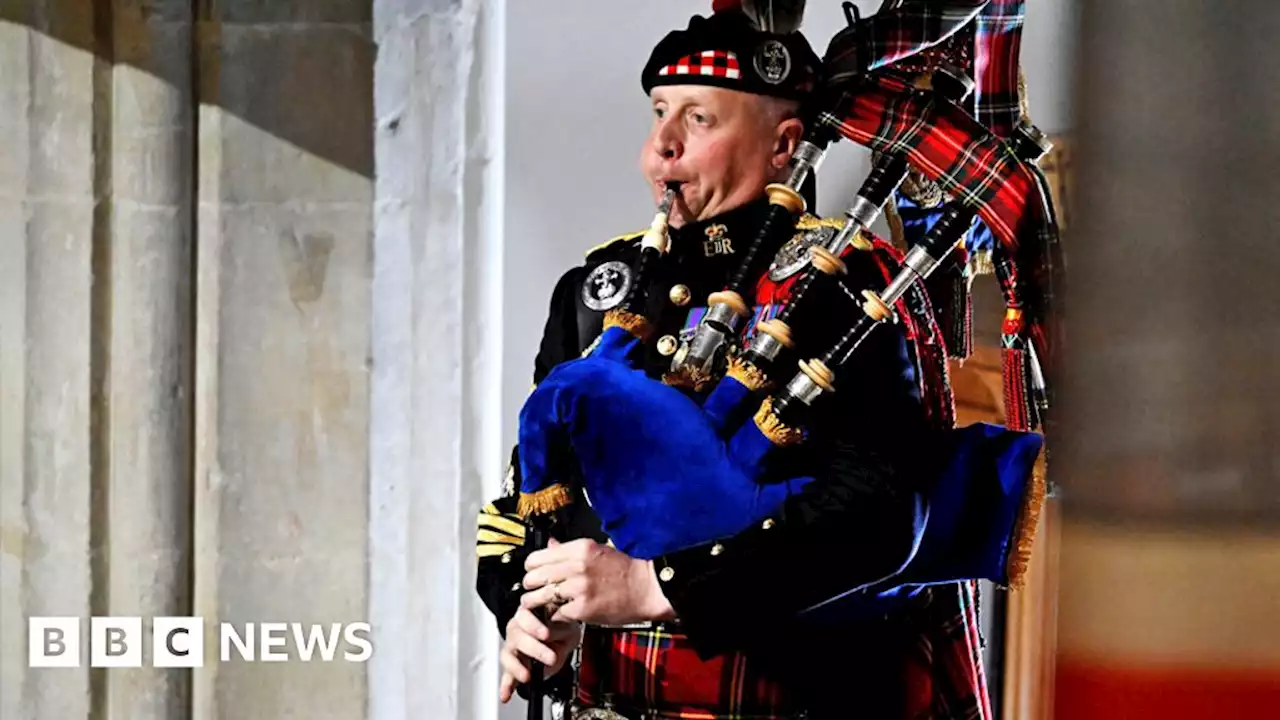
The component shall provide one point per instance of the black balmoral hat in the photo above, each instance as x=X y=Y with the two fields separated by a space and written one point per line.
x=729 y=49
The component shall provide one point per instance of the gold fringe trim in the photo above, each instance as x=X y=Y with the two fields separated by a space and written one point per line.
x=980 y=263
x=772 y=428
x=546 y=500
x=688 y=378
x=1024 y=530
x=635 y=324
x=747 y=374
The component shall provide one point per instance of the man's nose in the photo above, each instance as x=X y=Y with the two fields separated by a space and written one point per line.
x=667 y=143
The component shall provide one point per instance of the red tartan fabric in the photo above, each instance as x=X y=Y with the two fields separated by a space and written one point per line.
x=951 y=148
x=896 y=34
x=660 y=673
x=979 y=169
x=997 y=45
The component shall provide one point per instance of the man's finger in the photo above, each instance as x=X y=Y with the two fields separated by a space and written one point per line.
x=535 y=649
x=531 y=625
x=506 y=688
x=542 y=597
x=514 y=665
x=538 y=577
x=569 y=612
x=556 y=553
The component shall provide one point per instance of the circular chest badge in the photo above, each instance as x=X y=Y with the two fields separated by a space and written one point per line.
x=773 y=62
x=607 y=285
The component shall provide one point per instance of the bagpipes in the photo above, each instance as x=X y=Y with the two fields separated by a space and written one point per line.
x=667 y=464
x=684 y=460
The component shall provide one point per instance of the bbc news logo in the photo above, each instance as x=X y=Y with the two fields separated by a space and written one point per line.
x=179 y=642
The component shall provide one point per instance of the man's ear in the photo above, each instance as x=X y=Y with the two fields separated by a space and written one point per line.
x=786 y=139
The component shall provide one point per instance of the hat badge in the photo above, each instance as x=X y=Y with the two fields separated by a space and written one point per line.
x=773 y=61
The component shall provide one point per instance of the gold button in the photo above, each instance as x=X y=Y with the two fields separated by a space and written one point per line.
x=666 y=574
x=506 y=558
x=768 y=524
x=717 y=549
x=680 y=295
x=515 y=588
x=667 y=344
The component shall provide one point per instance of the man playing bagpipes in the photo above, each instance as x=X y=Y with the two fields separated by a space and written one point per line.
x=759 y=608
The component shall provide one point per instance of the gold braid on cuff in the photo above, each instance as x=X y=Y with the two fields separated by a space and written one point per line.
x=635 y=324
x=747 y=374
x=772 y=428
x=689 y=378
x=546 y=500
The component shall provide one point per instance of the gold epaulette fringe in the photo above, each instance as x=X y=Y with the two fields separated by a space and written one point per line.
x=635 y=324
x=546 y=500
x=688 y=378
x=772 y=428
x=749 y=375
x=1028 y=522
x=980 y=263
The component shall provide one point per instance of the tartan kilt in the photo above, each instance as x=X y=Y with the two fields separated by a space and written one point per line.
x=655 y=672
x=936 y=674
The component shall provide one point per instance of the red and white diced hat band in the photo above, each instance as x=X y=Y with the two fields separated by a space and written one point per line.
x=708 y=63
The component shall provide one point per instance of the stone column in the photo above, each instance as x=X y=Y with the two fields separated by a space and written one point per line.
x=437 y=331
x=146 y=271
x=95 y=295
x=285 y=158
x=240 y=378
x=1171 y=548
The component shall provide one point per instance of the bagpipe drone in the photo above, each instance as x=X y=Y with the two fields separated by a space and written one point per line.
x=680 y=461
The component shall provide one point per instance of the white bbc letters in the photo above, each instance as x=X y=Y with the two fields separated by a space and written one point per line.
x=177 y=642
x=53 y=642
x=115 y=642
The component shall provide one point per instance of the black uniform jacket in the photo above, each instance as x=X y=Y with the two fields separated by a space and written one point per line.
x=850 y=527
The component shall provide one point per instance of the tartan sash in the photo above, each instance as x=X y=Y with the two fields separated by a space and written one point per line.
x=886 y=113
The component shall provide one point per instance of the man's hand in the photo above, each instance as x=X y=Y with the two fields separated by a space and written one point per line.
x=594 y=583
x=528 y=637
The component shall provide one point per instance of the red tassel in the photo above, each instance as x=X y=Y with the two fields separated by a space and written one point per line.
x=723 y=5
x=1017 y=409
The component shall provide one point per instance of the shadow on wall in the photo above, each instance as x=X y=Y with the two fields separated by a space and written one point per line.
x=300 y=71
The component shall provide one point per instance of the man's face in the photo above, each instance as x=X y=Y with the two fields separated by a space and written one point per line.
x=725 y=146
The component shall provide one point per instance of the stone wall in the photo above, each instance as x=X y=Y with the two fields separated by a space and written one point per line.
x=241 y=379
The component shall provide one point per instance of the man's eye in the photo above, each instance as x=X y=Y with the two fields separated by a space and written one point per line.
x=700 y=118
x=658 y=112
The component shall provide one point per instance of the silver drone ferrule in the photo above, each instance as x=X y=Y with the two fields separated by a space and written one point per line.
x=848 y=232
x=719 y=323
x=864 y=212
x=806 y=159
x=920 y=263
x=766 y=346
x=803 y=388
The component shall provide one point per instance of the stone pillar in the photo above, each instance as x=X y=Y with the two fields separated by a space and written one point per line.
x=1171 y=548
x=239 y=377
x=437 y=353
x=146 y=270
x=285 y=225
x=95 y=295
x=51 y=507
